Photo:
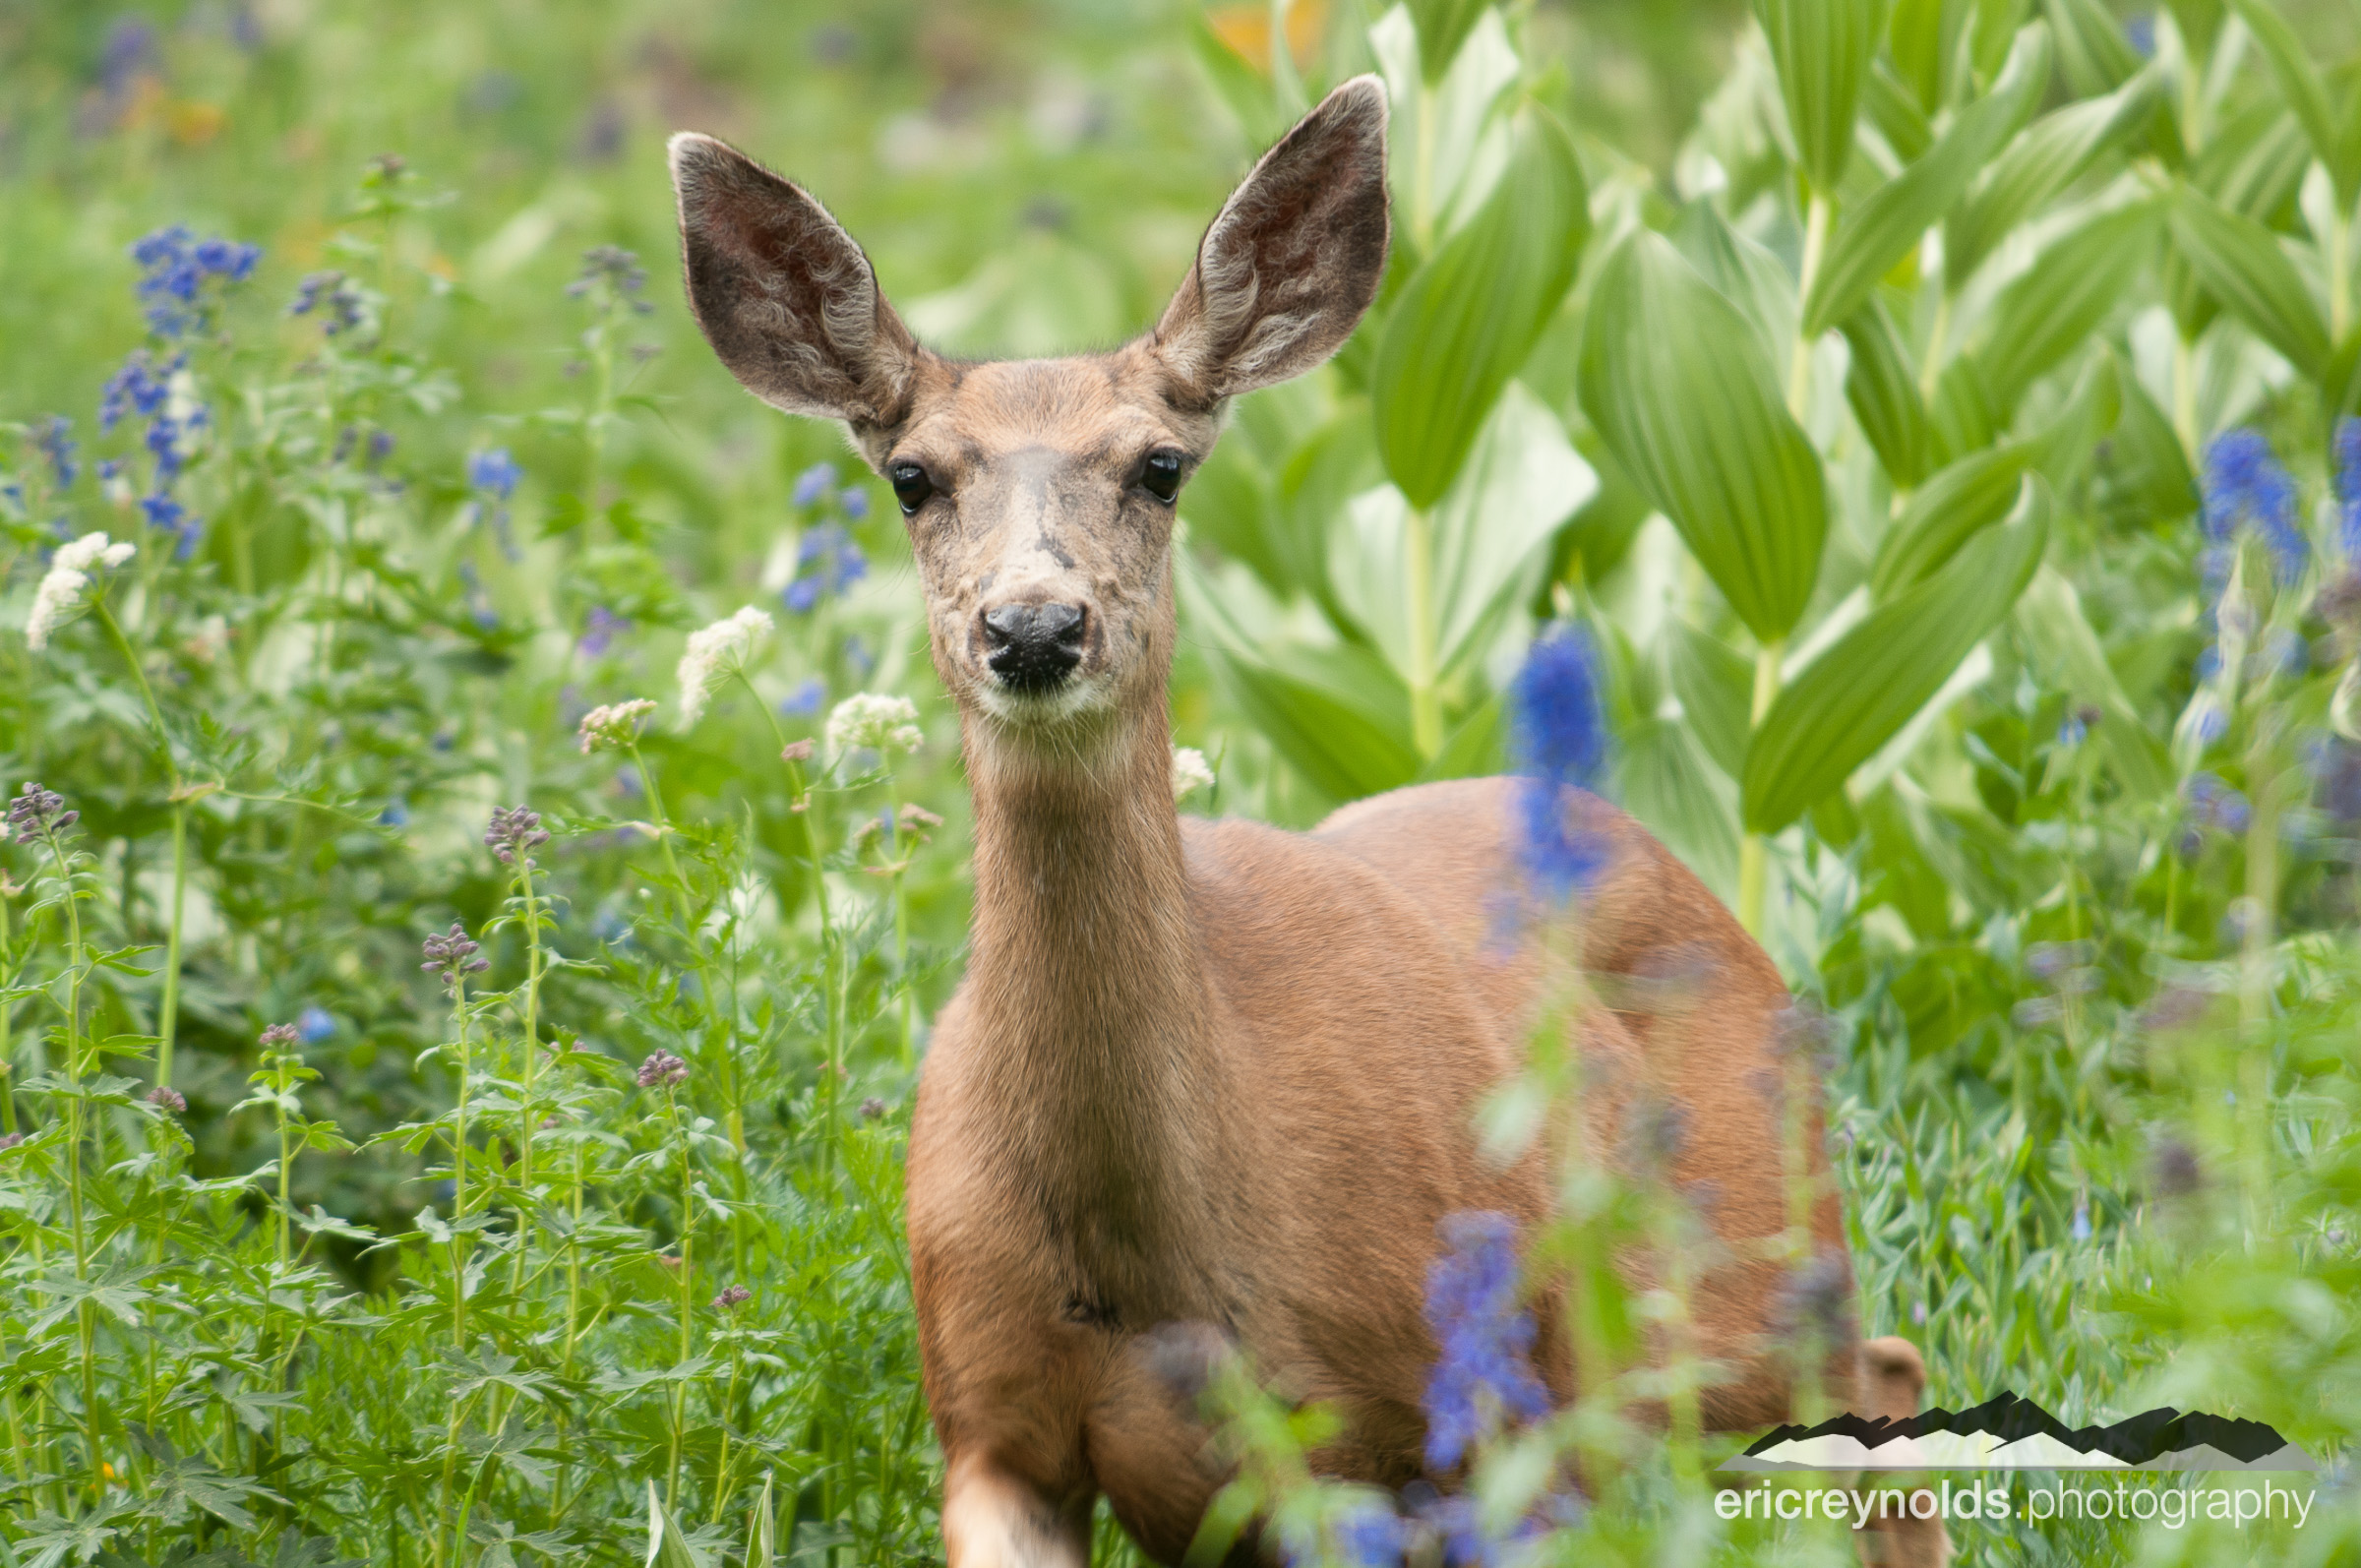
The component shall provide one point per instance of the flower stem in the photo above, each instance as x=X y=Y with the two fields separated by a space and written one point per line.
x=1754 y=859
x=1417 y=581
x=1800 y=359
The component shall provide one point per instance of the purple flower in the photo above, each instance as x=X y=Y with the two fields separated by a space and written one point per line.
x=514 y=832
x=315 y=1024
x=53 y=439
x=37 y=813
x=279 y=1035
x=600 y=631
x=2245 y=487
x=813 y=483
x=332 y=295
x=453 y=956
x=662 y=1070
x=1560 y=742
x=802 y=595
x=10 y=1140
x=732 y=1297
x=168 y=1099
x=855 y=502
x=165 y=512
x=1484 y=1373
x=616 y=267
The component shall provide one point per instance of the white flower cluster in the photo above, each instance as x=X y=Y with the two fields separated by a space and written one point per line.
x=69 y=573
x=614 y=723
x=872 y=721
x=1191 y=772
x=715 y=653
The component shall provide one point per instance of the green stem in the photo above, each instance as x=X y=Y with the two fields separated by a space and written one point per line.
x=459 y=1174
x=2255 y=980
x=85 y=1328
x=1800 y=359
x=680 y=1387
x=167 y=1021
x=532 y=1061
x=2184 y=394
x=1754 y=860
x=1417 y=574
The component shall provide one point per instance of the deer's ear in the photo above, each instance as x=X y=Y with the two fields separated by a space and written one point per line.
x=785 y=297
x=1294 y=258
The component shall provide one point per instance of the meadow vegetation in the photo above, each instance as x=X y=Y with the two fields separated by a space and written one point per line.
x=484 y=843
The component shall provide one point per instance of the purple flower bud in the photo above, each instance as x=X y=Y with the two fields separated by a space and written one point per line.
x=37 y=813
x=168 y=1099
x=279 y=1035
x=9 y=1140
x=662 y=1070
x=514 y=830
x=733 y=1296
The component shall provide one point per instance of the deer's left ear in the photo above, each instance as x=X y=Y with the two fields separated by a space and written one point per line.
x=1294 y=258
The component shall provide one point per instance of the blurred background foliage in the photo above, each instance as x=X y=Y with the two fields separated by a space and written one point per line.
x=1860 y=391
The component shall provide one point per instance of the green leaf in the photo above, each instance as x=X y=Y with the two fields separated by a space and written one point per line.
x=1337 y=743
x=1468 y=317
x=1443 y=25
x=2051 y=155
x=761 y=1530
x=2096 y=55
x=1883 y=390
x=1478 y=748
x=2060 y=301
x=1679 y=388
x=1882 y=230
x=1716 y=687
x=1860 y=692
x=1664 y=777
x=1240 y=85
x=667 y=1547
x=2305 y=94
x=1947 y=511
x=2240 y=263
x=2050 y=617
x=1895 y=113
x=1821 y=49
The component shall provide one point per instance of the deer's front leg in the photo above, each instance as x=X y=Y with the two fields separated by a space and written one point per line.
x=992 y=1517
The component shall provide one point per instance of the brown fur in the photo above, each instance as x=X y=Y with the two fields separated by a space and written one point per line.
x=1212 y=1074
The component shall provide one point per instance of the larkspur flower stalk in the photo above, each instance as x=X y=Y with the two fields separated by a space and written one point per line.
x=511 y=836
x=667 y=1073
x=611 y=281
x=451 y=956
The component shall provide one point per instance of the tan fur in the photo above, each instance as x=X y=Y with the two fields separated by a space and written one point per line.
x=1212 y=1078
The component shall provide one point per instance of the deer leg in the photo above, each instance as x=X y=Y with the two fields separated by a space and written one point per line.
x=1892 y=1379
x=995 y=1518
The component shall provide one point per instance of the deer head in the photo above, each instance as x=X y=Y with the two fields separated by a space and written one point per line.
x=1040 y=494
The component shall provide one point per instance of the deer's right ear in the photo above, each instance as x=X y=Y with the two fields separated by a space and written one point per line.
x=1294 y=258
x=785 y=297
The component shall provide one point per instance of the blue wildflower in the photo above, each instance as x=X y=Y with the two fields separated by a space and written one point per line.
x=479 y=603
x=2081 y=1228
x=2244 y=485
x=176 y=267
x=2345 y=450
x=826 y=562
x=163 y=510
x=2141 y=33
x=858 y=655
x=855 y=502
x=139 y=387
x=494 y=472
x=53 y=439
x=1560 y=741
x=396 y=815
x=813 y=483
x=805 y=701
x=338 y=303
x=802 y=595
x=1484 y=1373
x=2072 y=731
x=2214 y=803
x=315 y=1025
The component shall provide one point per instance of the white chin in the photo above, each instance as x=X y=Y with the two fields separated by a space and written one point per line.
x=1028 y=711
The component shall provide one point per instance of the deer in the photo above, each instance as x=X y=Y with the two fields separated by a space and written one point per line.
x=1210 y=1076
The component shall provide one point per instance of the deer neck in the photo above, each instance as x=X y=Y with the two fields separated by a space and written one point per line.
x=1086 y=983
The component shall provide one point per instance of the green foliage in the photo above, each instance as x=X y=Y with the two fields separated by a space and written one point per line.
x=1867 y=441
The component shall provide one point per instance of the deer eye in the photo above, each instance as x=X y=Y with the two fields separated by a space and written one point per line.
x=1162 y=476
x=910 y=485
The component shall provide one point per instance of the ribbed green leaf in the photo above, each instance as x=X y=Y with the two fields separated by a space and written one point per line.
x=1443 y=25
x=1674 y=382
x=2055 y=307
x=2050 y=617
x=1883 y=390
x=1468 y=317
x=1860 y=692
x=1339 y=746
x=1663 y=778
x=2096 y=56
x=2306 y=94
x=2253 y=163
x=1479 y=747
x=2050 y=155
x=2241 y=265
x=1893 y=110
x=2341 y=382
x=762 y=1546
x=1882 y=230
x=1947 y=511
x=2064 y=445
x=1924 y=40
x=1821 y=49
x=1716 y=687
x=2142 y=477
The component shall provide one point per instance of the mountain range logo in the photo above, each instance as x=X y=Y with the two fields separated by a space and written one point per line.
x=2007 y=1432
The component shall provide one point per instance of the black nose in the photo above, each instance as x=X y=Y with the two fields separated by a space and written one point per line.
x=1034 y=646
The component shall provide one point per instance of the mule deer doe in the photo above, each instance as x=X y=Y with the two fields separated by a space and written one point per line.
x=1212 y=1074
